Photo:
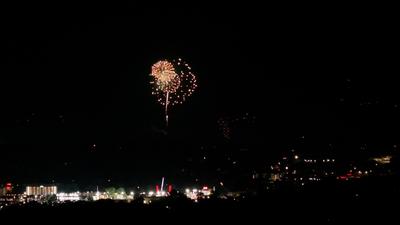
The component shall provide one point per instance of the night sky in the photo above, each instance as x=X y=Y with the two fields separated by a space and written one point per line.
x=76 y=104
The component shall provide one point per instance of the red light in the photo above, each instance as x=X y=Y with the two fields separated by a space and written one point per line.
x=8 y=186
x=205 y=188
x=157 y=188
x=169 y=188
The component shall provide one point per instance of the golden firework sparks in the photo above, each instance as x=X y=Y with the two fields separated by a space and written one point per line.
x=172 y=82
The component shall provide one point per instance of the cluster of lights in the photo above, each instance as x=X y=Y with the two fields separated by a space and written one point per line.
x=155 y=193
x=351 y=174
x=315 y=161
x=224 y=127
x=328 y=160
x=194 y=193
x=62 y=197
x=161 y=193
x=37 y=194
x=383 y=159
x=310 y=160
x=225 y=124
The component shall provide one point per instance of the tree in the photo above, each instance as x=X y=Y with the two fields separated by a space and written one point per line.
x=120 y=190
x=50 y=198
x=111 y=192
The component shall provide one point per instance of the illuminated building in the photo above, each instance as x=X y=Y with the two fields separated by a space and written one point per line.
x=41 y=190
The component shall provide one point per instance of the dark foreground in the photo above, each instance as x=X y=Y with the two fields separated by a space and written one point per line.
x=369 y=201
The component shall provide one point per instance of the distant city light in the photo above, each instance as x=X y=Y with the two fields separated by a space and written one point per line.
x=75 y=196
x=383 y=159
x=41 y=190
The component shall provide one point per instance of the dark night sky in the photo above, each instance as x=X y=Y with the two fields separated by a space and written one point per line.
x=73 y=78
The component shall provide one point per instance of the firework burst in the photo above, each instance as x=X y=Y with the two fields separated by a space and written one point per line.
x=172 y=82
